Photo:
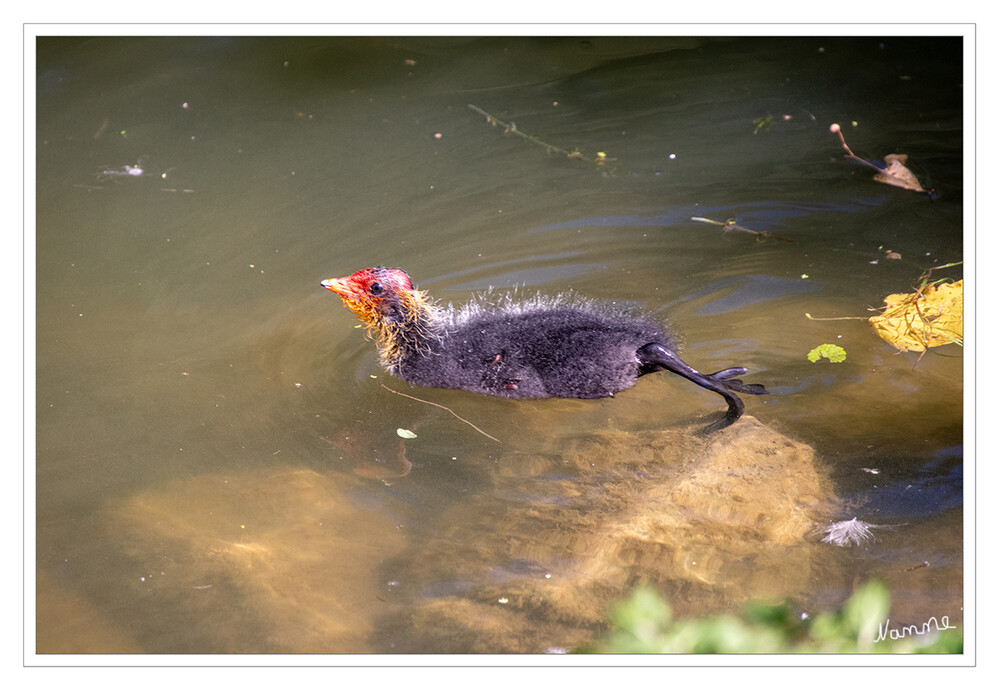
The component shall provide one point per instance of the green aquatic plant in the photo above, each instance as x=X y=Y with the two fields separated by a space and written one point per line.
x=644 y=624
x=833 y=352
x=762 y=123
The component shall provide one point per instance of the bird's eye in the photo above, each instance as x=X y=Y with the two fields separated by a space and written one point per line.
x=376 y=289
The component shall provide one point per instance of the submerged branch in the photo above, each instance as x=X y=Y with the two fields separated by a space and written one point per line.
x=600 y=161
x=729 y=225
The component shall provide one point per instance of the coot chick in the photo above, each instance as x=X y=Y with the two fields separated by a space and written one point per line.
x=541 y=347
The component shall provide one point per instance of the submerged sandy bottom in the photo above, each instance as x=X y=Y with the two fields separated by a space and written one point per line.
x=530 y=566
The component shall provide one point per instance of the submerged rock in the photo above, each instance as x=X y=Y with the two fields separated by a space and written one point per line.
x=535 y=563
x=260 y=562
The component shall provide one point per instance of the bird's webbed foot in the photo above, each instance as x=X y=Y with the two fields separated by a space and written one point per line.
x=655 y=357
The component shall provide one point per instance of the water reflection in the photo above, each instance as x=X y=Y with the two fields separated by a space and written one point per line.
x=750 y=290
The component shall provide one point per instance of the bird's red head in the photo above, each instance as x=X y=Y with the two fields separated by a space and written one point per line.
x=396 y=314
x=370 y=284
x=377 y=295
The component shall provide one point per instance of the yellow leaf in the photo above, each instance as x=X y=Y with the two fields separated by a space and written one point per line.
x=917 y=321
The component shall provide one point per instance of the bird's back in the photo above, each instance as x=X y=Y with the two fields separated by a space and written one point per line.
x=545 y=347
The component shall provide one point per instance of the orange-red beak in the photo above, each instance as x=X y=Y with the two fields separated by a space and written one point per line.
x=341 y=286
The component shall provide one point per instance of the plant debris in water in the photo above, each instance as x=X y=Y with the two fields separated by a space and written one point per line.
x=930 y=316
x=729 y=225
x=834 y=353
x=427 y=402
x=601 y=160
x=762 y=123
x=894 y=173
x=933 y=315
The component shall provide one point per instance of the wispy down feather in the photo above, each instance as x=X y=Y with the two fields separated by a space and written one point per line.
x=849 y=532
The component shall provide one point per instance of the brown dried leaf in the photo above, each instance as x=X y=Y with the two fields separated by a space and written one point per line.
x=920 y=320
x=897 y=175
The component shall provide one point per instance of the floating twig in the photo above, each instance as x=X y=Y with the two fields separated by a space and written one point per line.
x=835 y=318
x=838 y=131
x=601 y=160
x=411 y=397
x=729 y=225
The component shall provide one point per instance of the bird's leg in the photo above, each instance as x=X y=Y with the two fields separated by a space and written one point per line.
x=655 y=357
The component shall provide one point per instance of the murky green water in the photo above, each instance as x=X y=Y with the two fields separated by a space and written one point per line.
x=218 y=468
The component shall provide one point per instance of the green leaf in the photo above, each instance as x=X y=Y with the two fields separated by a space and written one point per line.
x=834 y=352
x=405 y=433
x=644 y=624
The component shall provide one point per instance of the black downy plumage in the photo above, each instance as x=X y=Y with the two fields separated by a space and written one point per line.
x=541 y=347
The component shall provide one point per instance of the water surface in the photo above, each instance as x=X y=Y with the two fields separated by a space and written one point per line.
x=218 y=468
